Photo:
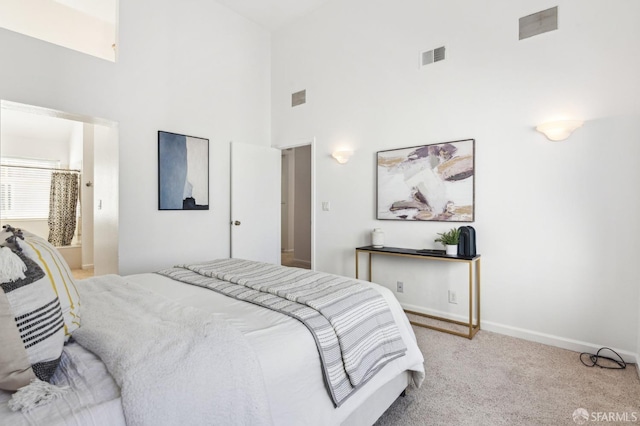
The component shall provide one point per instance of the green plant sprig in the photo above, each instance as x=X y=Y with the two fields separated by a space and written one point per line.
x=449 y=238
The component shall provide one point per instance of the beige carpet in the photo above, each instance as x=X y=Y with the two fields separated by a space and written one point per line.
x=500 y=380
x=81 y=274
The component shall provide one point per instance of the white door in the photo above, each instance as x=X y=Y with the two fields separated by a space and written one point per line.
x=255 y=202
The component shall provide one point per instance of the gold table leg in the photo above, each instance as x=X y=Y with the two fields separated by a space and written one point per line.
x=473 y=329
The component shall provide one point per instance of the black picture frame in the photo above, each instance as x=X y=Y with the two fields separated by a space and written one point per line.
x=183 y=172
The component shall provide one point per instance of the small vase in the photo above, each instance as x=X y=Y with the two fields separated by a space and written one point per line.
x=452 y=250
x=377 y=238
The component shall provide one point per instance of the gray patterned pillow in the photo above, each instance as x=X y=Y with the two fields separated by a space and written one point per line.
x=31 y=324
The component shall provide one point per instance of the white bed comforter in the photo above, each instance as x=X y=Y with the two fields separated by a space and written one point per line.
x=288 y=354
x=92 y=398
x=171 y=361
x=288 y=357
x=355 y=332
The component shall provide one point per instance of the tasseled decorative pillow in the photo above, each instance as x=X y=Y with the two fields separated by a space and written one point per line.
x=31 y=321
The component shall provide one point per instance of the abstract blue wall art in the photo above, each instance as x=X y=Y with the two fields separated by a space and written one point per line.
x=183 y=172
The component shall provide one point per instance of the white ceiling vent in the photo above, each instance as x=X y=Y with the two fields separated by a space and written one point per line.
x=431 y=56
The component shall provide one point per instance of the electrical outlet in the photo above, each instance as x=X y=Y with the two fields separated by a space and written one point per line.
x=453 y=297
x=400 y=287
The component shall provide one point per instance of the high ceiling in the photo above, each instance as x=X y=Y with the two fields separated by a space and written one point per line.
x=104 y=10
x=271 y=14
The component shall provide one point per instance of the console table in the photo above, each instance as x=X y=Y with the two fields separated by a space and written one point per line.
x=436 y=255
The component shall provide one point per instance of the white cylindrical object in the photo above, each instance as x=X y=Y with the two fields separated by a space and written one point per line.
x=377 y=238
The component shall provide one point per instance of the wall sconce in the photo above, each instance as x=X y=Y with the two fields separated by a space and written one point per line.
x=342 y=156
x=559 y=130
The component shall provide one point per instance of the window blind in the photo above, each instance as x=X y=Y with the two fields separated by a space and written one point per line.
x=25 y=187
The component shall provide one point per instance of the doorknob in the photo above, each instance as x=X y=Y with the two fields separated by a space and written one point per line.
x=236 y=223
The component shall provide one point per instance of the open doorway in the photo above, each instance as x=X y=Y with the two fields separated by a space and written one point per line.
x=37 y=144
x=296 y=202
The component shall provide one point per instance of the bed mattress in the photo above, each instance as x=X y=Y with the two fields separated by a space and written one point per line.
x=284 y=346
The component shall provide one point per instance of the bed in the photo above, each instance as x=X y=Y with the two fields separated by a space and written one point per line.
x=254 y=366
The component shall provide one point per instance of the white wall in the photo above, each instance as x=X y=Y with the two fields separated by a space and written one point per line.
x=59 y=24
x=87 y=192
x=191 y=67
x=26 y=147
x=555 y=221
x=76 y=148
x=195 y=67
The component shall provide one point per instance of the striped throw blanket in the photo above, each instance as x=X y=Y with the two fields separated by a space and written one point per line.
x=351 y=323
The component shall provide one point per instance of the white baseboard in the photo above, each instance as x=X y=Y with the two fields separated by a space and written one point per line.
x=89 y=266
x=449 y=315
x=557 y=341
x=533 y=336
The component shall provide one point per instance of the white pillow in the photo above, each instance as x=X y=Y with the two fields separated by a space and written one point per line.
x=31 y=326
x=58 y=275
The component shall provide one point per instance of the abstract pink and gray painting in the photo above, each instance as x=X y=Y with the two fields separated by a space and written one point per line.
x=183 y=172
x=428 y=182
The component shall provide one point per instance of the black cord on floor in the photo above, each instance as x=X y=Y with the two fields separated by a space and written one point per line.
x=597 y=357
